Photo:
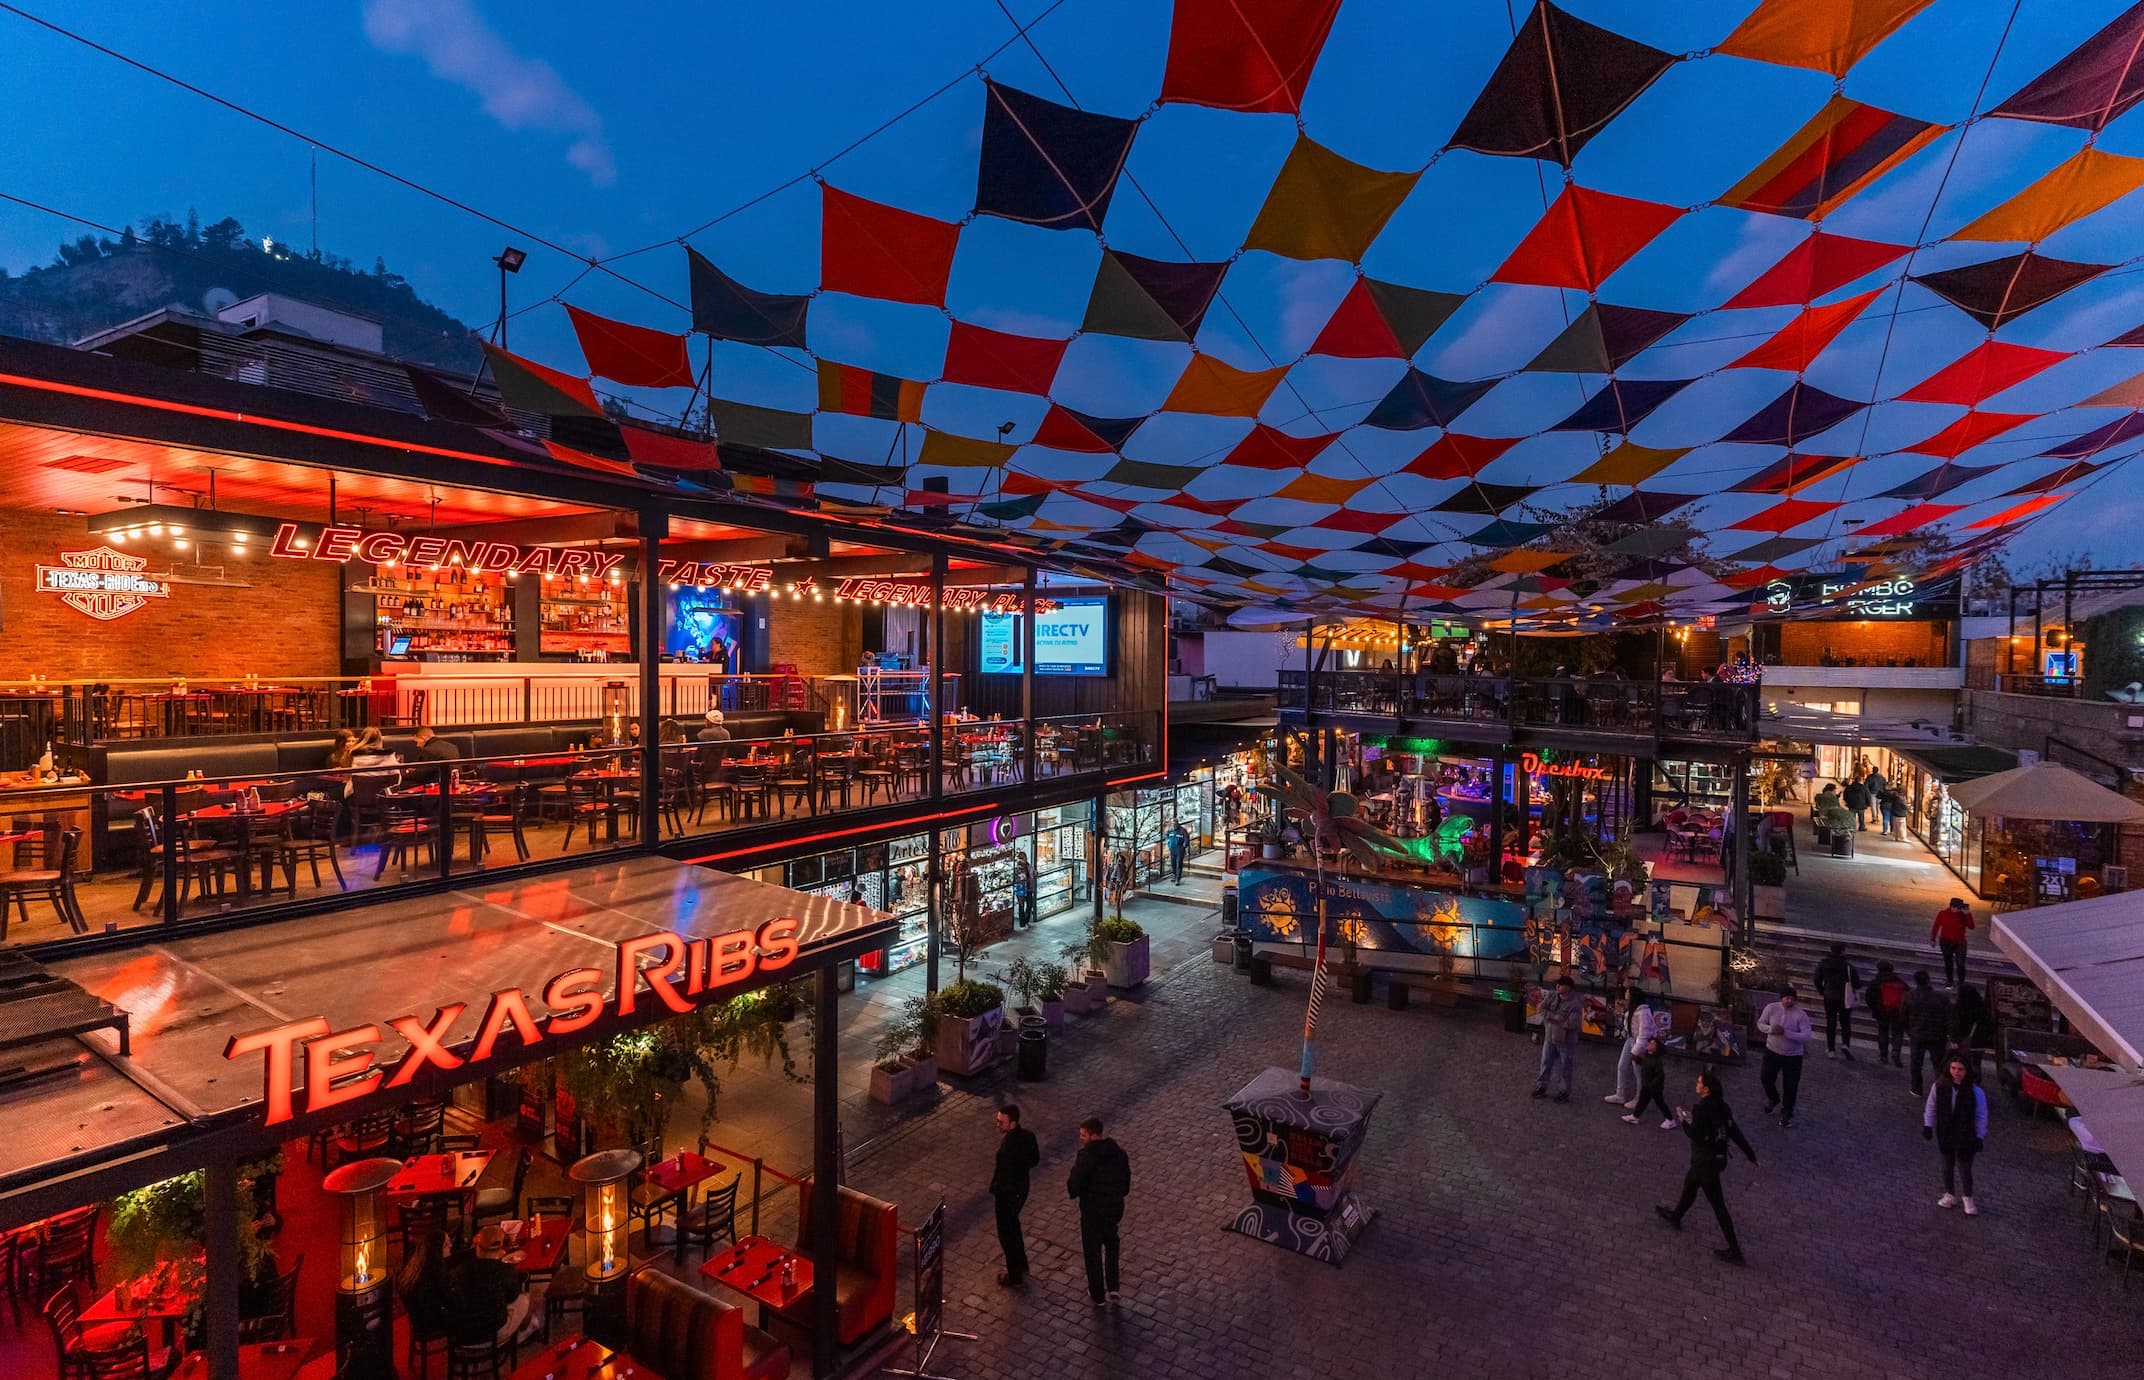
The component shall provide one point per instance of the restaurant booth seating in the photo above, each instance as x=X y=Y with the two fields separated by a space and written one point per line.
x=682 y=1333
x=867 y=1245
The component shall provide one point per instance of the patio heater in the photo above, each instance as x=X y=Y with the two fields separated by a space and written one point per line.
x=614 y=712
x=606 y=1221
x=364 y=1289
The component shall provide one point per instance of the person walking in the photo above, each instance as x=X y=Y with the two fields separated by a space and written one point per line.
x=1712 y=1132
x=1017 y=1154
x=1179 y=844
x=1878 y=788
x=1023 y=891
x=1856 y=799
x=1956 y=1119
x=1120 y=880
x=1101 y=1180
x=1637 y=1029
x=1786 y=1030
x=1952 y=924
x=1886 y=998
x=1838 y=985
x=1927 y=1025
x=1562 y=1015
x=1652 y=1086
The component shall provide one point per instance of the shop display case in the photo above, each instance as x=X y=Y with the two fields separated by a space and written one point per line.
x=1060 y=860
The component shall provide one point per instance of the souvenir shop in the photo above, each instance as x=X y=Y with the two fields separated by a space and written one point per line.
x=1139 y=822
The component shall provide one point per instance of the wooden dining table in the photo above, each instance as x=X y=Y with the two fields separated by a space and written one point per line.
x=165 y=1303
x=753 y=1267
x=440 y=1176
x=672 y=1181
x=270 y=810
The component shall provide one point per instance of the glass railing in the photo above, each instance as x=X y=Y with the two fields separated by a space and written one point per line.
x=1591 y=704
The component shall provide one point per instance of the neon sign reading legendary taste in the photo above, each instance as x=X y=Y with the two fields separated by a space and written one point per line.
x=340 y=1065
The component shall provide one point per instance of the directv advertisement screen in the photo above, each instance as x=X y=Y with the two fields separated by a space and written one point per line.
x=1070 y=640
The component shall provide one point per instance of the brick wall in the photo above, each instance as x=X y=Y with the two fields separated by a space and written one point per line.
x=819 y=638
x=284 y=625
x=1870 y=643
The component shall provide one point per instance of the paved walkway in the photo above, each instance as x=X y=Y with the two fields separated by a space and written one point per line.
x=1515 y=1237
x=1887 y=890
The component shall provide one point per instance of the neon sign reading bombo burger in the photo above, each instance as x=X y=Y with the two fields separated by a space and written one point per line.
x=342 y=1065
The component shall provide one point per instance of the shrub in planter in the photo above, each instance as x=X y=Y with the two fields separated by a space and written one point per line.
x=1040 y=986
x=1125 y=964
x=970 y=1013
x=1768 y=884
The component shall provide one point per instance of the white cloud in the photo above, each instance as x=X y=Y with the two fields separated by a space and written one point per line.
x=519 y=92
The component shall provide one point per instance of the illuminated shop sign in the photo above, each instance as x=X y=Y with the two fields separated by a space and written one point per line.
x=405 y=548
x=103 y=583
x=1532 y=764
x=746 y=577
x=340 y=1065
x=919 y=595
x=1898 y=597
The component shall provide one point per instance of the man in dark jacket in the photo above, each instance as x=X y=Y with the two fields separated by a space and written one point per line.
x=1885 y=998
x=1101 y=1180
x=1017 y=1154
x=1856 y=800
x=1927 y=1026
x=1712 y=1130
x=1836 y=982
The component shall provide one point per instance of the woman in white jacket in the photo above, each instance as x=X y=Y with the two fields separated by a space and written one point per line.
x=1638 y=1027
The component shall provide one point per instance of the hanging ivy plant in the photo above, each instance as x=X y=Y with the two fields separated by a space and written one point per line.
x=630 y=1082
x=163 y=1227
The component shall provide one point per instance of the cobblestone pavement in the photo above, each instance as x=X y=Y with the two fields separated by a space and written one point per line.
x=1515 y=1237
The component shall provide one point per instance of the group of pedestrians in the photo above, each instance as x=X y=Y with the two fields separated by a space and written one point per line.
x=1100 y=1181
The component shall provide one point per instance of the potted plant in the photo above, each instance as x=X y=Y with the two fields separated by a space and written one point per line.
x=1125 y=963
x=1267 y=832
x=893 y=1072
x=160 y=1231
x=969 y=1015
x=1040 y=986
x=631 y=1083
x=1768 y=884
x=1050 y=992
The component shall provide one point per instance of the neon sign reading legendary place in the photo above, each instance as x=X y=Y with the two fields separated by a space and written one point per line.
x=103 y=583
x=340 y=1065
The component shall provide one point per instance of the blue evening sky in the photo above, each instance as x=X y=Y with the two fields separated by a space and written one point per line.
x=606 y=129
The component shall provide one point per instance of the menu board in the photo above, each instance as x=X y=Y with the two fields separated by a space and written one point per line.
x=930 y=1282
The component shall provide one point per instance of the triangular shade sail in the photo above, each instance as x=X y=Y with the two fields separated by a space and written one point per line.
x=1827 y=35
x=2128 y=393
x=1064 y=429
x=444 y=401
x=1785 y=514
x=1253 y=55
x=2048 y=483
x=1453 y=456
x=1640 y=506
x=1981 y=373
x=1220 y=389
x=631 y=355
x=1965 y=433
x=1801 y=340
x=1147 y=475
x=1420 y=400
x=2086 y=181
x=1628 y=464
x=2016 y=513
x=1842 y=149
x=683 y=453
x=962 y=452
x=1795 y=416
x=1793 y=473
x=1604 y=338
x=728 y=310
x=1323 y=206
x=744 y=424
x=993 y=359
x=1559 y=84
x=882 y=251
x=1994 y=292
x=1384 y=320
x=2098 y=439
x=1582 y=238
x=2098 y=80
x=1622 y=404
x=1911 y=520
x=1149 y=299
x=1268 y=449
x=531 y=387
x=1937 y=482
x=1814 y=267
x=1485 y=499
x=1047 y=164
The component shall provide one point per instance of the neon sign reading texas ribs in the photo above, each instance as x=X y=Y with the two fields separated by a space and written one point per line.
x=341 y=1065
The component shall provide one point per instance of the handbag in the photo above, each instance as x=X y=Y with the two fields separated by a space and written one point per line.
x=1853 y=995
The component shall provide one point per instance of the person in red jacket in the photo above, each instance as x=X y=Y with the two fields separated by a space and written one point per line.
x=1952 y=924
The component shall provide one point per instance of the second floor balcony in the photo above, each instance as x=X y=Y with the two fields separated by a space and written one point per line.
x=1483 y=706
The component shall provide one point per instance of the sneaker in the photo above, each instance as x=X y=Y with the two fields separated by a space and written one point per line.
x=1831 y=1054
x=1563 y=1097
x=1616 y=1097
x=1540 y=1092
x=1948 y=1200
x=1631 y=1102
x=1972 y=1209
x=1667 y=1123
x=1730 y=1255
x=1668 y=1216
x=1100 y=1302
x=1847 y=1054
x=1116 y=1296
x=1785 y=1122
x=1631 y=1117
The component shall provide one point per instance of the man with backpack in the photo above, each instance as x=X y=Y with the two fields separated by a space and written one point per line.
x=1886 y=999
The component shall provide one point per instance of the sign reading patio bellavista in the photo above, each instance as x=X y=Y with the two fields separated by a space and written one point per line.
x=103 y=583
x=341 y=1065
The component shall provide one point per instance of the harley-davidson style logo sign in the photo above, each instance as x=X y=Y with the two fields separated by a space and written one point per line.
x=105 y=584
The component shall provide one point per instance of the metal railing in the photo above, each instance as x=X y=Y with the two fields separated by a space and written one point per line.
x=1674 y=708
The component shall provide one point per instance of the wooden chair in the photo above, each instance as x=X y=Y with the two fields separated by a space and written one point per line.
x=419 y=1126
x=369 y=1135
x=280 y=1323
x=714 y=1215
x=492 y=812
x=77 y=1348
x=201 y=867
x=589 y=802
x=310 y=839
x=49 y=877
x=21 y=1264
x=489 y=1359
x=408 y=824
x=419 y=1220
x=71 y=1247
x=714 y=786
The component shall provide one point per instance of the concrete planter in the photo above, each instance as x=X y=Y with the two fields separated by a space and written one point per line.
x=1053 y=1013
x=892 y=1083
x=1127 y=964
x=923 y=1073
x=1084 y=999
x=969 y=1044
x=1769 y=902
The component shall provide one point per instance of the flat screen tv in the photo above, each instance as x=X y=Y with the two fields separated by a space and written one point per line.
x=1070 y=640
